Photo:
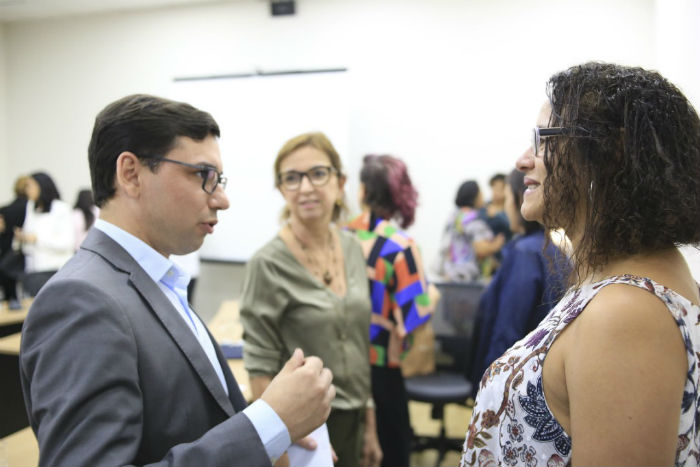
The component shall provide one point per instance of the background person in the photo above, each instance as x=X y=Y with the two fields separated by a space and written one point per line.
x=493 y=212
x=468 y=244
x=116 y=368
x=616 y=164
x=401 y=299
x=12 y=217
x=531 y=280
x=307 y=288
x=84 y=214
x=46 y=236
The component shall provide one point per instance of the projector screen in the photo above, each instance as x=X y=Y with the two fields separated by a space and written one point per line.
x=257 y=114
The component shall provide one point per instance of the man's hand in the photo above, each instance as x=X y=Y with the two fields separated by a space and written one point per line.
x=301 y=394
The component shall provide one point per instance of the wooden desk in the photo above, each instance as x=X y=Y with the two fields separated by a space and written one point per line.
x=8 y=316
x=9 y=345
x=20 y=449
x=226 y=327
x=14 y=415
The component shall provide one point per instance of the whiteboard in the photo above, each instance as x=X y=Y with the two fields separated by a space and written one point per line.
x=257 y=114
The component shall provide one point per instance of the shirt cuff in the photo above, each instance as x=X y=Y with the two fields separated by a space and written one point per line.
x=270 y=427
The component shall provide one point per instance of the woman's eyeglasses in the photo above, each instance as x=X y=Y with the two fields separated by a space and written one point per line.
x=318 y=176
x=539 y=134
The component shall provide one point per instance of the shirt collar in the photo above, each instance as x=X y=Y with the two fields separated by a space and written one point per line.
x=155 y=264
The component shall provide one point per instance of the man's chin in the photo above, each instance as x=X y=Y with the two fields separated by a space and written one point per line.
x=187 y=249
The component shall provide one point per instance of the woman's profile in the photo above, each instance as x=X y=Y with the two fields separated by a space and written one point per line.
x=610 y=376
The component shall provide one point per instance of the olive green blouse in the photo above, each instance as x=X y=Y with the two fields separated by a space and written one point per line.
x=284 y=307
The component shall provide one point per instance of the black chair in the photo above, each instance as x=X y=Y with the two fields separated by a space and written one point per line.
x=453 y=323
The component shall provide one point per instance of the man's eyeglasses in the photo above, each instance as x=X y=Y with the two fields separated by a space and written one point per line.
x=539 y=133
x=211 y=178
x=318 y=176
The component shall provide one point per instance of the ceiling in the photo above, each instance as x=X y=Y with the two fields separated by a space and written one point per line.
x=18 y=10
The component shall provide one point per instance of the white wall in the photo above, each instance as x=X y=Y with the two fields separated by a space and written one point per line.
x=5 y=172
x=451 y=86
x=677 y=44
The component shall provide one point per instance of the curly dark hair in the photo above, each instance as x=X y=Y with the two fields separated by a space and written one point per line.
x=631 y=163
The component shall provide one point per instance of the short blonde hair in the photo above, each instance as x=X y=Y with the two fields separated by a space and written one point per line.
x=21 y=185
x=316 y=140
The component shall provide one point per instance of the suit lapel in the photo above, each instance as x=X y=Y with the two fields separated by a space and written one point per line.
x=234 y=391
x=160 y=306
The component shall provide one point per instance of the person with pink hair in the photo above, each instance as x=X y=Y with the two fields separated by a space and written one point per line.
x=402 y=300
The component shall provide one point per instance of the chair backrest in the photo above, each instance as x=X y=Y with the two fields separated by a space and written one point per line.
x=454 y=324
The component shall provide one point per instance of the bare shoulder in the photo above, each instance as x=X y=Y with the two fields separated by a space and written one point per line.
x=633 y=326
x=625 y=372
x=618 y=307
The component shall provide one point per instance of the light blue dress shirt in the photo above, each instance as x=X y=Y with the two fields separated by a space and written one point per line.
x=173 y=282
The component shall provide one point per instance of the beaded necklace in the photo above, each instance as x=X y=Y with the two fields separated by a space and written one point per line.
x=330 y=272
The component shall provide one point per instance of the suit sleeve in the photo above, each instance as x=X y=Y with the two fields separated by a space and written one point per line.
x=81 y=384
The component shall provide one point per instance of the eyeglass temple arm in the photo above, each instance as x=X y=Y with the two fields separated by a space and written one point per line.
x=549 y=131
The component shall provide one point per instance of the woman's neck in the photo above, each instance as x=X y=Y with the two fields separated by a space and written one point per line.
x=659 y=264
x=311 y=234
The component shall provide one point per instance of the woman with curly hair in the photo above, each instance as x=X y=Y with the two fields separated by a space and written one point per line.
x=610 y=376
x=401 y=297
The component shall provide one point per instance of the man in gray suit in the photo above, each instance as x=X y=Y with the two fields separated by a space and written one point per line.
x=116 y=368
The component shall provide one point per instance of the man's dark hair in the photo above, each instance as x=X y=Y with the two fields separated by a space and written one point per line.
x=147 y=126
x=631 y=159
x=467 y=194
x=497 y=178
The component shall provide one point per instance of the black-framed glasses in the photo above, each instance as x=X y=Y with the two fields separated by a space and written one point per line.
x=543 y=132
x=317 y=175
x=539 y=133
x=211 y=178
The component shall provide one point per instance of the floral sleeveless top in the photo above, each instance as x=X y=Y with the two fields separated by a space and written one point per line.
x=512 y=424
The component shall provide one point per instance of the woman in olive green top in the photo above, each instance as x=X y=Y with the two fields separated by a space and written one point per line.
x=308 y=288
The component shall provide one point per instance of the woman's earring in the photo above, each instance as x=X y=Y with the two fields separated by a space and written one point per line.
x=339 y=202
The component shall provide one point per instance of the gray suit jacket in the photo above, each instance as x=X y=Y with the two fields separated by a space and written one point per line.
x=112 y=375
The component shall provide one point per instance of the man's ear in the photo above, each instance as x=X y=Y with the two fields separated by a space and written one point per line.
x=127 y=176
